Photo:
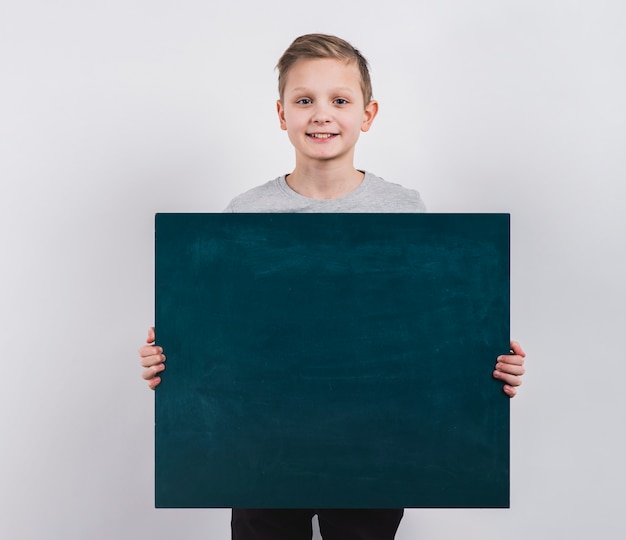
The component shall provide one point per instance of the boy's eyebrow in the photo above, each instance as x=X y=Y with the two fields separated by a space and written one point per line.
x=305 y=89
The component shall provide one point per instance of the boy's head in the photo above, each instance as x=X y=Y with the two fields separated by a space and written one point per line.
x=313 y=46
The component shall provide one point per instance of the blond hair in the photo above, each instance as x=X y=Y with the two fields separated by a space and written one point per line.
x=312 y=46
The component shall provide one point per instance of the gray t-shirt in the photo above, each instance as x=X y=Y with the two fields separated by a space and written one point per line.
x=373 y=195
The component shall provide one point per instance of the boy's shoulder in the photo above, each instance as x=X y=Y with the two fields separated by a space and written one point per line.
x=373 y=195
x=261 y=198
x=391 y=197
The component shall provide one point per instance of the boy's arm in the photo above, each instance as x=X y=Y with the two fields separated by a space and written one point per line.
x=510 y=368
x=152 y=358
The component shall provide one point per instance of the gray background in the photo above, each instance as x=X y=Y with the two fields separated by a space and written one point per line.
x=112 y=111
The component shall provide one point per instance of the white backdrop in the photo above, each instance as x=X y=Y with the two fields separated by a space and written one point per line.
x=113 y=110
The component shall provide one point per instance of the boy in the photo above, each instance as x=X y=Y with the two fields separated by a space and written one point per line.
x=325 y=102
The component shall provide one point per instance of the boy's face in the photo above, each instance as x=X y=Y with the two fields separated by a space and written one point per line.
x=322 y=110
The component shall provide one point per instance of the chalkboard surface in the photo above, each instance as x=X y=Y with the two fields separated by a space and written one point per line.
x=332 y=360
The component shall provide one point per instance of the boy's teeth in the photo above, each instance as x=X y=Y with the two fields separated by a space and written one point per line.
x=321 y=135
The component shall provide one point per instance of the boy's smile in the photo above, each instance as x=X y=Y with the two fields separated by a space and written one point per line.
x=323 y=111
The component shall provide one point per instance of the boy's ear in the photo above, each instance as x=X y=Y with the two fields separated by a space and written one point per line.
x=281 y=115
x=371 y=110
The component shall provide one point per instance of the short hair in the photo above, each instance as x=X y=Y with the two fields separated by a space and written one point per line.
x=312 y=46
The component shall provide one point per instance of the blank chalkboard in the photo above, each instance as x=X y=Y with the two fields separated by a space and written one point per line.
x=332 y=360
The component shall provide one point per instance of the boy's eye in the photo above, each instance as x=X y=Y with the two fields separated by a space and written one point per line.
x=341 y=101
x=304 y=101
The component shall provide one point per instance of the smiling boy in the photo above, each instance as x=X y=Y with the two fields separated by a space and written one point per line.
x=325 y=103
x=324 y=109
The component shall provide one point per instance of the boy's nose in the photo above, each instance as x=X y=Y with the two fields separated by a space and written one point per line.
x=321 y=115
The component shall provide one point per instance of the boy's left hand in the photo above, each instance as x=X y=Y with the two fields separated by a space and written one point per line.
x=510 y=368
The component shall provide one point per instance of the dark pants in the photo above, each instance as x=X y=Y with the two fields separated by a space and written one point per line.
x=334 y=524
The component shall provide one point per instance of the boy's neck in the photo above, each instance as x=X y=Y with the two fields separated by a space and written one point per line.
x=324 y=183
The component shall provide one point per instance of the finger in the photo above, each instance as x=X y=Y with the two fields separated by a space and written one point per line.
x=152 y=372
x=151 y=335
x=509 y=390
x=513 y=369
x=513 y=380
x=150 y=350
x=515 y=359
x=154 y=382
x=516 y=348
x=152 y=360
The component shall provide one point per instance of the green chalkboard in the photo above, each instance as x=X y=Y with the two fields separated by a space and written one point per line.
x=332 y=360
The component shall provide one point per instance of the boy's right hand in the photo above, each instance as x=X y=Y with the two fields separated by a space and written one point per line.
x=152 y=359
